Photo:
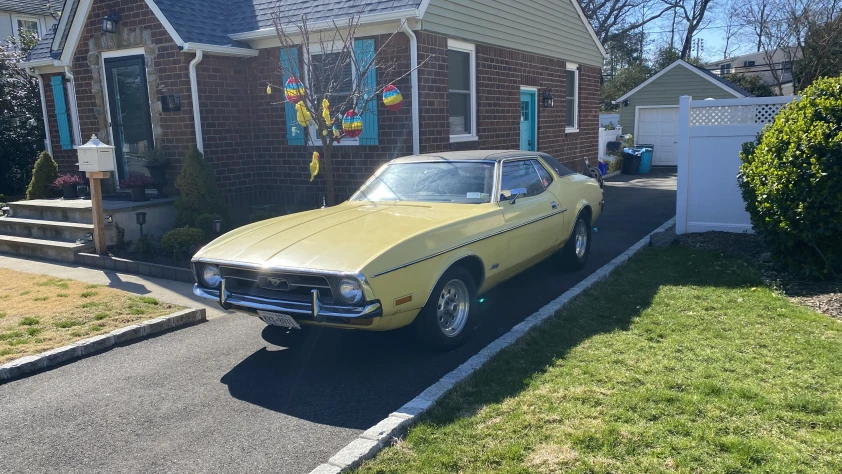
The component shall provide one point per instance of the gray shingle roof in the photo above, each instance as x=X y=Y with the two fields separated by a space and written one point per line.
x=42 y=49
x=211 y=21
x=31 y=7
x=724 y=81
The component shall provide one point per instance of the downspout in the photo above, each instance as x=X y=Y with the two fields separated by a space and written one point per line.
x=48 y=143
x=74 y=109
x=413 y=63
x=194 y=92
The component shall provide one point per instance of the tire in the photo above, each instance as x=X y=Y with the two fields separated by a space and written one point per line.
x=575 y=252
x=447 y=328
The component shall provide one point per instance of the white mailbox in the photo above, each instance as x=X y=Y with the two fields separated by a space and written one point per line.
x=95 y=156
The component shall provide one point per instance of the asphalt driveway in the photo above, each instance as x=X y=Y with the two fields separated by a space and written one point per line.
x=232 y=395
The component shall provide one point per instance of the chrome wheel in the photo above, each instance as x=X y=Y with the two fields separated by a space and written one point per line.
x=581 y=238
x=453 y=307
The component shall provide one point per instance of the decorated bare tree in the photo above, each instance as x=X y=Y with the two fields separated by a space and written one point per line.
x=331 y=83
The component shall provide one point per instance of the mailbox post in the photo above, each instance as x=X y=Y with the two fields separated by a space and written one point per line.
x=96 y=159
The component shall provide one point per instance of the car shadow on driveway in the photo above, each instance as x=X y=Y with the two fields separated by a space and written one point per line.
x=354 y=379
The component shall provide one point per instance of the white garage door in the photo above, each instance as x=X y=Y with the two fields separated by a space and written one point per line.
x=659 y=126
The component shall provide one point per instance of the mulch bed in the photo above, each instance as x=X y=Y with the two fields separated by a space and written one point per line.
x=822 y=296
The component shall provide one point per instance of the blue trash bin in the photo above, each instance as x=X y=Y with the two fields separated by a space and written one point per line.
x=646 y=152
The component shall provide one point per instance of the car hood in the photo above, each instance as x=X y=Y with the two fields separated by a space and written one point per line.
x=340 y=238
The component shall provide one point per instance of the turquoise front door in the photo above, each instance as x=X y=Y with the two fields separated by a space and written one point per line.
x=527 y=120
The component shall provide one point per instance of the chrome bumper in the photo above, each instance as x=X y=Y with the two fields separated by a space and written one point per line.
x=314 y=309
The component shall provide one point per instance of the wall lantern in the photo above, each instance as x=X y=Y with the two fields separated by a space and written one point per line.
x=140 y=218
x=547 y=99
x=109 y=22
x=626 y=103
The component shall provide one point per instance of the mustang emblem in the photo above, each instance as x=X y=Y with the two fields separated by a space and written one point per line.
x=271 y=283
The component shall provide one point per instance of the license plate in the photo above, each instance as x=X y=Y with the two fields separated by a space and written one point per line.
x=276 y=319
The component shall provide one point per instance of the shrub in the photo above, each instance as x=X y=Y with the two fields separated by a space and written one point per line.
x=181 y=241
x=199 y=194
x=143 y=245
x=44 y=174
x=121 y=243
x=791 y=181
x=205 y=222
x=137 y=181
x=66 y=180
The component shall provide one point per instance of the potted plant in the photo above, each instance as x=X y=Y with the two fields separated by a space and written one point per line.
x=68 y=183
x=157 y=163
x=137 y=183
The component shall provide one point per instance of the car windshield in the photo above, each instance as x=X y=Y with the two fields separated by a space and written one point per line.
x=462 y=182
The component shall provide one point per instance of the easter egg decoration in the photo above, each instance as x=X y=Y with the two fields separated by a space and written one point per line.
x=302 y=114
x=294 y=90
x=337 y=132
x=269 y=89
x=392 y=98
x=352 y=124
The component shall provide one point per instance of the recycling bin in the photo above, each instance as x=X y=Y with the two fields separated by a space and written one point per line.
x=631 y=160
x=647 y=151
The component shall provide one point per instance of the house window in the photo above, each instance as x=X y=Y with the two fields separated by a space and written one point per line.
x=571 y=104
x=725 y=68
x=748 y=63
x=461 y=88
x=786 y=67
x=27 y=24
x=330 y=73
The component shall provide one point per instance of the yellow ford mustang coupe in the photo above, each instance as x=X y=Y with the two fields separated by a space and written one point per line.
x=415 y=245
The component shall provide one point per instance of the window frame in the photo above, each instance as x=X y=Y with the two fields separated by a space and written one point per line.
x=317 y=50
x=725 y=68
x=470 y=48
x=574 y=67
x=501 y=169
x=17 y=18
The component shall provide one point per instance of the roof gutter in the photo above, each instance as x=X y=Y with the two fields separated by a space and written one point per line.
x=48 y=144
x=413 y=63
x=220 y=50
x=263 y=33
x=194 y=92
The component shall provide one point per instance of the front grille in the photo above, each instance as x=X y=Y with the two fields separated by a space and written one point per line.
x=277 y=285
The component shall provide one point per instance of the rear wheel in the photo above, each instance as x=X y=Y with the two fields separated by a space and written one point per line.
x=578 y=247
x=445 y=320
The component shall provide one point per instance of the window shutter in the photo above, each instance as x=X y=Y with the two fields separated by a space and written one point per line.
x=289 y=62
x=61 y=112
x=364 y=52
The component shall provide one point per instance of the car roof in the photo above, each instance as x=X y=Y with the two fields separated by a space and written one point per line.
x=484 y=155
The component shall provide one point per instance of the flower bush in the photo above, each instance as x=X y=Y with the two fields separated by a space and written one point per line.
x=67 y=180
x=137 y=181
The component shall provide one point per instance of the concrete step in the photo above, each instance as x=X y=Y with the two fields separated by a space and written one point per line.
x=53 y=210
x=41 y=248
x=41 y=229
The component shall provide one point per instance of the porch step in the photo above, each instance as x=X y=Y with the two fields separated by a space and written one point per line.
x=41 y=229
x=41 y=248
x=53 y=210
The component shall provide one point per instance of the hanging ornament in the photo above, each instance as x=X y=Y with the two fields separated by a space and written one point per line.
x=392 y=98
x=352 y=124
x=294 y=90
x=326 y=111
x=314 y=166
x=302 y=114
x=269 y=89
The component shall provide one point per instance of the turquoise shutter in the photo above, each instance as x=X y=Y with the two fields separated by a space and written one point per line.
x=61 y=112
x=364 y=52
x=289 y=62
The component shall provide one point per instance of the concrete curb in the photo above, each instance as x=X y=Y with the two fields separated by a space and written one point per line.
x=92 y=345
x=395 y=425
x=122 y=265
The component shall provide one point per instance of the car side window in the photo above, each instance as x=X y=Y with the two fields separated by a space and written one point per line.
x=520 y=177
x=546 y=179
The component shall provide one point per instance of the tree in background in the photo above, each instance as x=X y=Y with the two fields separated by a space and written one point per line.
x=21 y=121
x=752 y=83
x=625 y=80
x=822 y=53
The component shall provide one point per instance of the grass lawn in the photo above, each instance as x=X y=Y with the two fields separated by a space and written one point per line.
x=680 y=361
x=39 y=313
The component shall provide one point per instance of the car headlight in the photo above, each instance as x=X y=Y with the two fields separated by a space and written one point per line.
x=350 y=291
x=210 y=276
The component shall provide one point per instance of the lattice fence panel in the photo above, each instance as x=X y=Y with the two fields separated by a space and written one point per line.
x=734 y=114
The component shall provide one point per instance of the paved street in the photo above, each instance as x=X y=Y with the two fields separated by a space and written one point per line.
x=231 y=395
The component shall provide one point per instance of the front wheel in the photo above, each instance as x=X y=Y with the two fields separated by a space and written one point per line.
x=446 y=319
x=578 y=247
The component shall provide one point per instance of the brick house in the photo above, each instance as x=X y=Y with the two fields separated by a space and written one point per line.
x=175 y=73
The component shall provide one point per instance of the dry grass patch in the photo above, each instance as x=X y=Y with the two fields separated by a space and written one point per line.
x=41 y=313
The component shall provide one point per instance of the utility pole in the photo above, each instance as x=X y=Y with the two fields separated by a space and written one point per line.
x=700 y=46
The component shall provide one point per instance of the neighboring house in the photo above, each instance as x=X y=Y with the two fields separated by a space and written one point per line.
x=759 y=63
x=216 y=58
x=650 y=111
x=29 y=15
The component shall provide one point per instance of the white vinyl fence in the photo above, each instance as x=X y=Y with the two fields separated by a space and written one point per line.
x=606 y=136
x=710 y=136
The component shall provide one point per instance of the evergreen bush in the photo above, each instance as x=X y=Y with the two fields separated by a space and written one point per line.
x=791 y=182
x=205 y=222
x=44 y=174
x=182 y=241
x=199 y=193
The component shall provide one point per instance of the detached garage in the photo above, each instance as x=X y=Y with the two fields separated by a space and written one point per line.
x=650 y=110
